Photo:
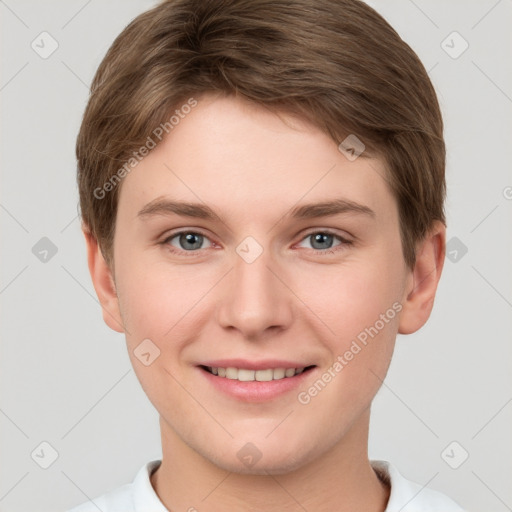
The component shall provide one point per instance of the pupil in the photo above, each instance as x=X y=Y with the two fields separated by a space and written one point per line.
x=194 y=240
x=322 y=238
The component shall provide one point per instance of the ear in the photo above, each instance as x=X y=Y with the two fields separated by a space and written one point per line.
x=103 y=283
x=422 y=281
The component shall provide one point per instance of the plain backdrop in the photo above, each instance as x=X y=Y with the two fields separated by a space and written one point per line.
x=444 y=413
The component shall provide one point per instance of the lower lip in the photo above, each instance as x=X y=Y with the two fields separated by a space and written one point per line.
x=256 y=391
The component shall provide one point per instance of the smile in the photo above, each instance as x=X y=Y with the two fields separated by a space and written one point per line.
x=246 y=375
x=255 y=380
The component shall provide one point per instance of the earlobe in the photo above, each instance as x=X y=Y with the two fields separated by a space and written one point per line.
x=103 y=282
x=420 y=291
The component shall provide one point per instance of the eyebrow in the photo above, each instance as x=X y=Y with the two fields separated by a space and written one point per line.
x=335 y=207
x=162 y=206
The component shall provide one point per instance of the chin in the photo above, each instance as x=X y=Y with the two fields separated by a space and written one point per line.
x=269 y=461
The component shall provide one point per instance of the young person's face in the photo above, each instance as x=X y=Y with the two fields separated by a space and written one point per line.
x=255 y=288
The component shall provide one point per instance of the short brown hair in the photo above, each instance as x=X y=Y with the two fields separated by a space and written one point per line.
x=335 y=63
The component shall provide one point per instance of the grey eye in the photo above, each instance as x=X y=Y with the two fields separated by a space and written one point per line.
x=188 y=240
x=321 y=240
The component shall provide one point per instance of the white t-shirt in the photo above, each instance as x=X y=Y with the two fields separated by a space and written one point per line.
x=139 y=496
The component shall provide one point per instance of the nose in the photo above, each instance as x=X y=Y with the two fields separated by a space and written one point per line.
x=255 y=298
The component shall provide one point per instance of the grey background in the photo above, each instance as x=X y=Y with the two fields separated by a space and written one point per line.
x=65 y=378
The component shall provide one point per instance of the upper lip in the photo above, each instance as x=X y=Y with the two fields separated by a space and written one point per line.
x=263 y=364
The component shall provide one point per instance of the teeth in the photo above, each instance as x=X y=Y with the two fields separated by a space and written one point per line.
x=231 y=373
x=245 y=375
x=265 y=375
x=279 y=373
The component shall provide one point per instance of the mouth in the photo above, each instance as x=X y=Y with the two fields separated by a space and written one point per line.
x=255 y=382
x=249 y=375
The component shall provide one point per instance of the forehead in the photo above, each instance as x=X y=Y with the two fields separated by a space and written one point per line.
x=243 y=158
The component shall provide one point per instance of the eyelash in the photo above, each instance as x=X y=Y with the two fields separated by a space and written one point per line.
x=343 y=242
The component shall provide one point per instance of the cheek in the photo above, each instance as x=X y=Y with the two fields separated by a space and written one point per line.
x=359 y=305
x=361 y=310
x=350 y=298
x=159 y=302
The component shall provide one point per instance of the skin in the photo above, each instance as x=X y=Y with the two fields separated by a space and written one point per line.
x=251 y=167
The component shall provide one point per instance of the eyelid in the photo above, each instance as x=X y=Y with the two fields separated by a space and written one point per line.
x=180 y=231
x=344 y=236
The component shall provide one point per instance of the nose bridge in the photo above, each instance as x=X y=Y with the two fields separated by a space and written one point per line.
x=254 y=298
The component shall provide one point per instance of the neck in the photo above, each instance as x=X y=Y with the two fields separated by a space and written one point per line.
x=341 y=480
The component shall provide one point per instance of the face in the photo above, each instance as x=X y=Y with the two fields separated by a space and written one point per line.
x=248 y=241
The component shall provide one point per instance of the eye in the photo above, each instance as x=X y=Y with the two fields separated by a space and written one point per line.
x=188 y=241
x=321 y=241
